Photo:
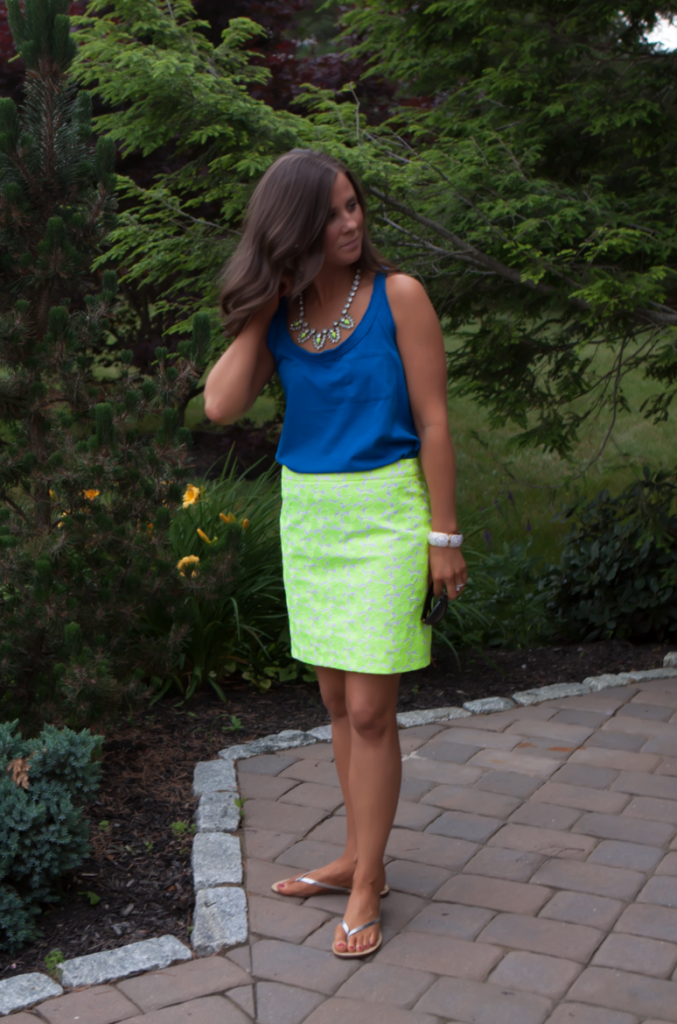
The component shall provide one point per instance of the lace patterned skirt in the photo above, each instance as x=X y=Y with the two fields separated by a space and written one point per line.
x=355 y=556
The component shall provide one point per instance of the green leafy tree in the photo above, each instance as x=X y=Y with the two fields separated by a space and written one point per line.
x=169 y=88
x=531 y=176
x=85 y=497
x=527 y=176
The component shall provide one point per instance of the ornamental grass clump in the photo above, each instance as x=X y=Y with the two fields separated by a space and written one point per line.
x=43 y=785
x=85 y=496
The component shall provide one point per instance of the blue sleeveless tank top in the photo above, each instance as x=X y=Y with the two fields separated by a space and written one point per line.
x=347 y=407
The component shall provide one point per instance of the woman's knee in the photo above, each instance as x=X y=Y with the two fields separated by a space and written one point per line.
x=333 y=691
x=335 y=705
x=370 y=721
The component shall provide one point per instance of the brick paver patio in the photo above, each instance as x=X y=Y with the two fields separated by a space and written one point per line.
x=533 y=869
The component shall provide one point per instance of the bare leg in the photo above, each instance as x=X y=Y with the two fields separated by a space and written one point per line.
x=374 y=778
x=340 y=871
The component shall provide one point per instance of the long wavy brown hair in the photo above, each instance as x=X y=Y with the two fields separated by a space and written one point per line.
x=284 y=234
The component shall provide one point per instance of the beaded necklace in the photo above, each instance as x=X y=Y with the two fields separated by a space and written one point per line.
x=333 y=333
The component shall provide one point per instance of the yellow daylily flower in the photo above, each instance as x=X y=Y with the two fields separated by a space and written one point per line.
x=91 y=495
x=191 y=496
x=245 y=524
x=52 y=494
x=204 y=536
x=189 y=562
x=230 y=518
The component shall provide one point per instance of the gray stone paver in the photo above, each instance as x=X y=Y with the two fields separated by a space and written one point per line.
x=533 y=871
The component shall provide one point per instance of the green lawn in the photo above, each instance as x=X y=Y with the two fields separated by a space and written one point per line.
x=491 y=469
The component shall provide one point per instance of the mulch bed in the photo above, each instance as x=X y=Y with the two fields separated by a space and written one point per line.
x=139 y=873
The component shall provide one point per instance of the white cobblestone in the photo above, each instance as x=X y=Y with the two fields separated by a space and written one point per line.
x=220 y=920
x=217 y=812
x=607 y=681
x=557 y=690
x=424 y=717
x=321 y=733
x=652 y=673
x=670 y=660
x=284 y=740
x=216 y=860
x=151 y=955
x=214 y=776
x=25 y=990
x=488 y=705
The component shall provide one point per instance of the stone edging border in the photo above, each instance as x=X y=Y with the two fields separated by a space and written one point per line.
x=220 y=919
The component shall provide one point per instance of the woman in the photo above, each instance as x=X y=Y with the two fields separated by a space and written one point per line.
x=368 y=470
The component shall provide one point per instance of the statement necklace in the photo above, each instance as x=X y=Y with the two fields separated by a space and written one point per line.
x=320 y=335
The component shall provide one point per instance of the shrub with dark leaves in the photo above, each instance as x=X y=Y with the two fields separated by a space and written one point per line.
x=43 y=783
x=618 y=574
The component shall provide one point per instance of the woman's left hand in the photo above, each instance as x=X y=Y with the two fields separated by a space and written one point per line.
x=448 y=568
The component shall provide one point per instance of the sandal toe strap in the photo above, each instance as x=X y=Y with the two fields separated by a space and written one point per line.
x=320 y=885
x=360 y=928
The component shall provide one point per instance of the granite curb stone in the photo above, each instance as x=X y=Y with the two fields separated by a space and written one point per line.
x=487 y=705
x=26 y=990
x=558 y=690
x=284 y=740
x=214 y=777
x=217 y=812
x=96 y=968
x=427 y=716
x=220 y=920
x=216 y=860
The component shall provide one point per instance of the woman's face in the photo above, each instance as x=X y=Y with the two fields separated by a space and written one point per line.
x=345 y=225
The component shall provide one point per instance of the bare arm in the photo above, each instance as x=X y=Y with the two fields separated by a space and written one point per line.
x=235 y=381
x=421 y=347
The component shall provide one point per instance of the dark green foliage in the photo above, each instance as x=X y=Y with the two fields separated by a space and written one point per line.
x=618 y=573
x=528 y=177
x=81 y=557
x=503 y=604
x=43 y=784
x=44 y=32
x=533 y=185
x=166 y=85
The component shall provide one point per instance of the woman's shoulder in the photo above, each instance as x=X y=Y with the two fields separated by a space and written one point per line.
x=403 y=286
x=404 y=292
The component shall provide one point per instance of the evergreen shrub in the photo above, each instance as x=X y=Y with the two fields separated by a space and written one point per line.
x=617 y=577
x=43 y=784
x=86 y=497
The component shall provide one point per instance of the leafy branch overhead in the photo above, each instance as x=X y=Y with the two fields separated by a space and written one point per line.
x=168 y=85
x=532 y=179
x=526 y=174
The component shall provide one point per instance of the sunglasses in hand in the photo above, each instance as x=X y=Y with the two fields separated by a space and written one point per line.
x=432 y=614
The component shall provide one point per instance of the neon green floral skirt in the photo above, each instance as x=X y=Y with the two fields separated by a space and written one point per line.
x=355 y=555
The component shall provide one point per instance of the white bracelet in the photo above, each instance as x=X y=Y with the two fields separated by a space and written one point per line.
x=445 y=540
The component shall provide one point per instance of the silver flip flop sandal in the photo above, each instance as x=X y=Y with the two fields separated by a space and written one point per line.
x=322 y=885
x=353 y=931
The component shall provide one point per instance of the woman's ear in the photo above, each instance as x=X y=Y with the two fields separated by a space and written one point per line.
x=286 y=283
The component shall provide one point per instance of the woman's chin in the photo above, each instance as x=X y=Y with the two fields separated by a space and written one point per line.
x=349 y=255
